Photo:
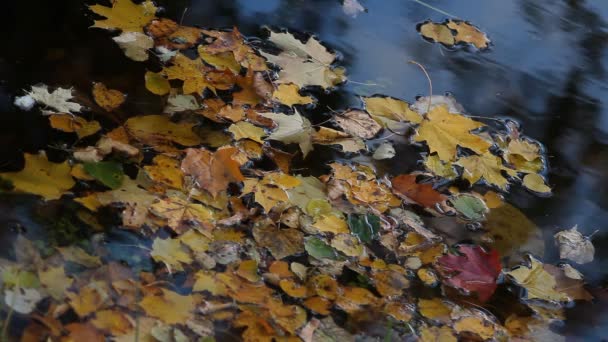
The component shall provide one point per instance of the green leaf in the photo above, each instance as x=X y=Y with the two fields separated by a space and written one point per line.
x=12 y=276
x=471 y=207
x=319 y=249
x=108 y=173
x=364 y=227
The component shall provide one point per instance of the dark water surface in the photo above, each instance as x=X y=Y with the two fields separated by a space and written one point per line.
x=547 y=69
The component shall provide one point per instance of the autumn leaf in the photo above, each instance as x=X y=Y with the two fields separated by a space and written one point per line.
x=358 y=123
x=159 y=131
x=41 y=177
x=212 y=171
x=424 y=194
x=468 y=33
x=165 y=170
x=125 y=15
x=271 y=191
x=487 y=167
x=437 y=32
x=156 y=83
x=75 y=124
x=245 y=130
x=135 y=45
x=536 y=183
x=170 y=252
x=474 y=271
x=329 y=136
x=444 y=131
x=196 y=76
x=58 y=100
x=108 y=99
x=292 y=129
x=387 y=111
x=574 y=246
x=170 y=307
x=280 y=242
x=170 y=34
x=439 y=168
x=177 y=210
x=537 y=281
x=232 y=41
x=288 y=94
x=304 y=63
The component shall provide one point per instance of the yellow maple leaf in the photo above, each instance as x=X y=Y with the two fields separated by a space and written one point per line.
x=125 y=15
x=177 y=210
x=159 y=130
x=486 y=166
x=197 y=76
x=166 y=170
x=271 y=190
x=386 y=110
x=444 y=131
x=245 y=130
x=288 y=94
x=170 y=307
x=538 y=282
x=171 y=252
x=41 y=177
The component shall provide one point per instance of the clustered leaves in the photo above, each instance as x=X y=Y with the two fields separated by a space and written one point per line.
x=238 y=239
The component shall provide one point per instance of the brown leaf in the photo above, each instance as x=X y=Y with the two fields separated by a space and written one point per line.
x=212 y=171
x=423 y=194
x=358 y=123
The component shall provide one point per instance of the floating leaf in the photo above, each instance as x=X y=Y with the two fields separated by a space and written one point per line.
x=437 y=32
x=125 y=15
x=536 y=183
x=486 y=166
x=135 y=45
x=474 y=271
x=364 y=227
x=171 y=252
x=169 y=306
x=358 y=123
x=156 y=83
x=424 y=194
x=41 y=177
x=288 y=95
x=574 y=246
x=292 y=129
x=108 y=99
x=468 y=33
x=387 y=109
x=109 y=173
x=317 y=248
x=78 y=125
x=245 y=130
x=469 y=206
x=538 y=282
x=58 y=100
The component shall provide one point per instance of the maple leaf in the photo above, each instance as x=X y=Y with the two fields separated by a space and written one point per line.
x=486 y=166
x=304 y=63
x=574 y=246
x=280 y=242
x=212 y=171
x=245 y=130
x=387 y=110
x=288 y=94
x=168 y=33
x=328 y=136
x=59 y=100
x=197 y=76
x=171 y=252
x=476 y=270
x=170 y=307
x=41 y=177
x=444 y=131
x=292 y=129
x=271 y=190
x=537 y=281
x=232 y=41
x=159 y=131
x=423 y=194
x=125 y=15
x=177 y=210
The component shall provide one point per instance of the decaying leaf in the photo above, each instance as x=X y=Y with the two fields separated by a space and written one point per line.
x=292 y=129
x=487 y=167
x=424 y=194
x=135 y=45
x=288 y=94
x=358 y=123
x=212 y=171
x=538 y=282
x=453 y=32
x=76 y=124
x=574 y=246
x=58 y=100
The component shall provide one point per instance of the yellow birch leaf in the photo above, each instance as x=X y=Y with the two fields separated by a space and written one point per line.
x=475 y=325
x=41 y=177
x=171 y=307
x=166 y=170
x=55 y=281
x=248 y=269
x=114 y=322
x=177 y=210
x=224 y=60
x=331 y=223
x=108 y=99
x=434 y=309
x=437 y=334
x=156 y=83
x=74 y=124
x=438 y=33
x=536 y=183
x=125 y=15
x=444 y=131
x=469 y=34
x=293 y=288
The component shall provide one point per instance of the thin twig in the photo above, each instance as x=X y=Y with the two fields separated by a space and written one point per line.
x=428 y=109
x=435 y=9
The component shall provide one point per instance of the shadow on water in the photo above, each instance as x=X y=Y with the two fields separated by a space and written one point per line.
x=546 y=69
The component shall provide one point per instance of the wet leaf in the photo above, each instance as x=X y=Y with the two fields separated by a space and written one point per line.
x=474 y=271
x=55 y=281
x=423 y=194
x=212 y=171
x=475 y=325
x=434 y=309
x=437 y=32
x=108 y=173
x=180 y=103
x=108 y=99
x=328 y=136
x=469 y=206
x=177 y=211
x=358 y=123
x=169 y=307
x=22 y=300
x=387 y=111
x=168 y=33
x=245 y=130
x=384 y=151
x=58 y=100
x=292 y=129
x=114 y=322
x=158 y=130
x=439 y=168
x=170 y=252
x=125 y=15
x=317 y=248
x=288 y=94
x=443 y=131
x=364 y=227
x=78 y=125
x=196 y=76
x=538 y=282
x=468 y=33
x=156 y=83
x=135 y=45
x=487 y=166
x=536 y=183
x=280 y=242
x=574 y=246
x=41 y=177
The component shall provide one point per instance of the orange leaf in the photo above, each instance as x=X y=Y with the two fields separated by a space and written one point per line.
x=423 y=194
x=212 y=171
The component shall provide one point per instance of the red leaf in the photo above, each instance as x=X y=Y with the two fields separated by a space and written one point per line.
x=475 y=271
x=423 y=194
